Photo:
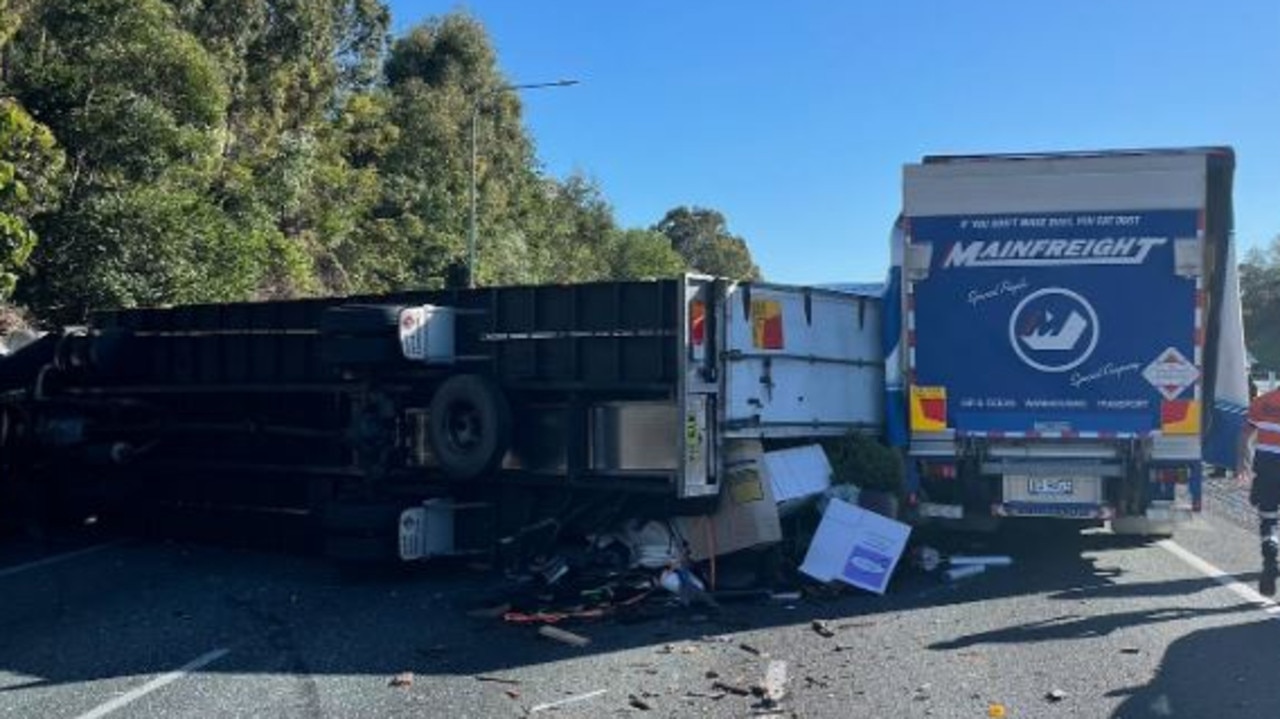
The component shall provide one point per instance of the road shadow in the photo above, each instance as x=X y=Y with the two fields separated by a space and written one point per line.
x=159 y=602
x=1226 y=671
x=1073 y=626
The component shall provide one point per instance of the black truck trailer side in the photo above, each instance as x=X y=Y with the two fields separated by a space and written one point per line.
x=347 y=410
x=380 y=419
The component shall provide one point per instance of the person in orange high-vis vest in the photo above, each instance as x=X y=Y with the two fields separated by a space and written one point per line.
x=1264 y=423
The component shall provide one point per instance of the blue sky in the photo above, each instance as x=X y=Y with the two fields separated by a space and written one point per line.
x=794 y=118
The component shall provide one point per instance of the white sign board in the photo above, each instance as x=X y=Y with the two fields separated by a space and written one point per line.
x=798 y=472
x=856 y=547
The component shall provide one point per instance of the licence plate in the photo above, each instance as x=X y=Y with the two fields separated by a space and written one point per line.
x=1040 y=486
x=1056 y=489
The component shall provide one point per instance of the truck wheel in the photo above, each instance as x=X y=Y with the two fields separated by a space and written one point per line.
x=360 y=319
x=469 y=426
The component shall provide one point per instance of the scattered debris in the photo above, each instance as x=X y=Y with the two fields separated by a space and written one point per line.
x=512 y=693
x=996 y=711
x=1056 y=695
x=798 y=474
x=750 y=649
x=1130 y=650
x=957 y=573
x=551 y=569
x=984 y=560
x=747 y=513
x=822 y=628
x=855 y=546
x=403 y=679
x=731 y=688
x=639 y=703
x=712 y=674
x=651 y=544
x=496 y=680
x=703 y=695
x=568 y=700
x=926 y=558
x=563 y=636
x=774 y=686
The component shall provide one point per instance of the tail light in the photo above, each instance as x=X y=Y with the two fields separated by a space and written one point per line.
x=1170 y=475
x=938 y=470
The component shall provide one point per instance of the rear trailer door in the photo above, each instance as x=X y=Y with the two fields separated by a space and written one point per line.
x=801 y=362
x=1056 y=296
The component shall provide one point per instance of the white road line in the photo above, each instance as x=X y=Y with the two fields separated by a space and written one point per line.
x=1240 y=589
x=56 y=559
x=164 y=679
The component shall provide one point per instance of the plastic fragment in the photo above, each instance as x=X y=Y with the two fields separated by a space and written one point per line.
x=563 y=636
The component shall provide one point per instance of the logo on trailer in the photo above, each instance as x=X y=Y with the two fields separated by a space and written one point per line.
x=1045 y=252
x=1053 y=329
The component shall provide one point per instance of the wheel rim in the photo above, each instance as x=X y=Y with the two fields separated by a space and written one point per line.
x=463 y=427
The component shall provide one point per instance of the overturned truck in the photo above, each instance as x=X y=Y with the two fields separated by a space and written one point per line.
x=430 y=423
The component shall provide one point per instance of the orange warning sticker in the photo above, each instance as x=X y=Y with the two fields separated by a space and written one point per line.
x=697 y=322
x=928 y=409
x=766 y=324
x=1180 y=416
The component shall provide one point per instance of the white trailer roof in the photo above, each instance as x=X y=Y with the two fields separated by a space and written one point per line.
x=1149 y=180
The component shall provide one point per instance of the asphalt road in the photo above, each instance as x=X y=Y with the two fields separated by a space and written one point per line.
x=1117 y=628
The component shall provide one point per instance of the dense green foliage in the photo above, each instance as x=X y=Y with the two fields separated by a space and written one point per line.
x=30 y=165
x=168 y=151
x=1260 y=287
x=702 y=237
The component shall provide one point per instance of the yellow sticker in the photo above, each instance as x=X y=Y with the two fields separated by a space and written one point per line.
x=692 y=438
x=746 y=486
x=1180 y=416
x=766 y=324
x=928 y=408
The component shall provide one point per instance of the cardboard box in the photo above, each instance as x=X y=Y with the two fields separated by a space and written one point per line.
x=797 y=475
x=855 y=546
x=747 y=515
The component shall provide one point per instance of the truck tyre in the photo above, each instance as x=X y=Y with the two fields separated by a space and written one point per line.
x=361 y=320
x=469 y=426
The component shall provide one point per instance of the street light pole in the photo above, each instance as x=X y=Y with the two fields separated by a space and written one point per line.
x=475 y=118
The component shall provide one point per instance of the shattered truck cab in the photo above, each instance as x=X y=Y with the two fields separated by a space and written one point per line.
x=1068 y=321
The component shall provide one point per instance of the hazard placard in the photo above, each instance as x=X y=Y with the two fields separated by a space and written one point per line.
x=1171 y=373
